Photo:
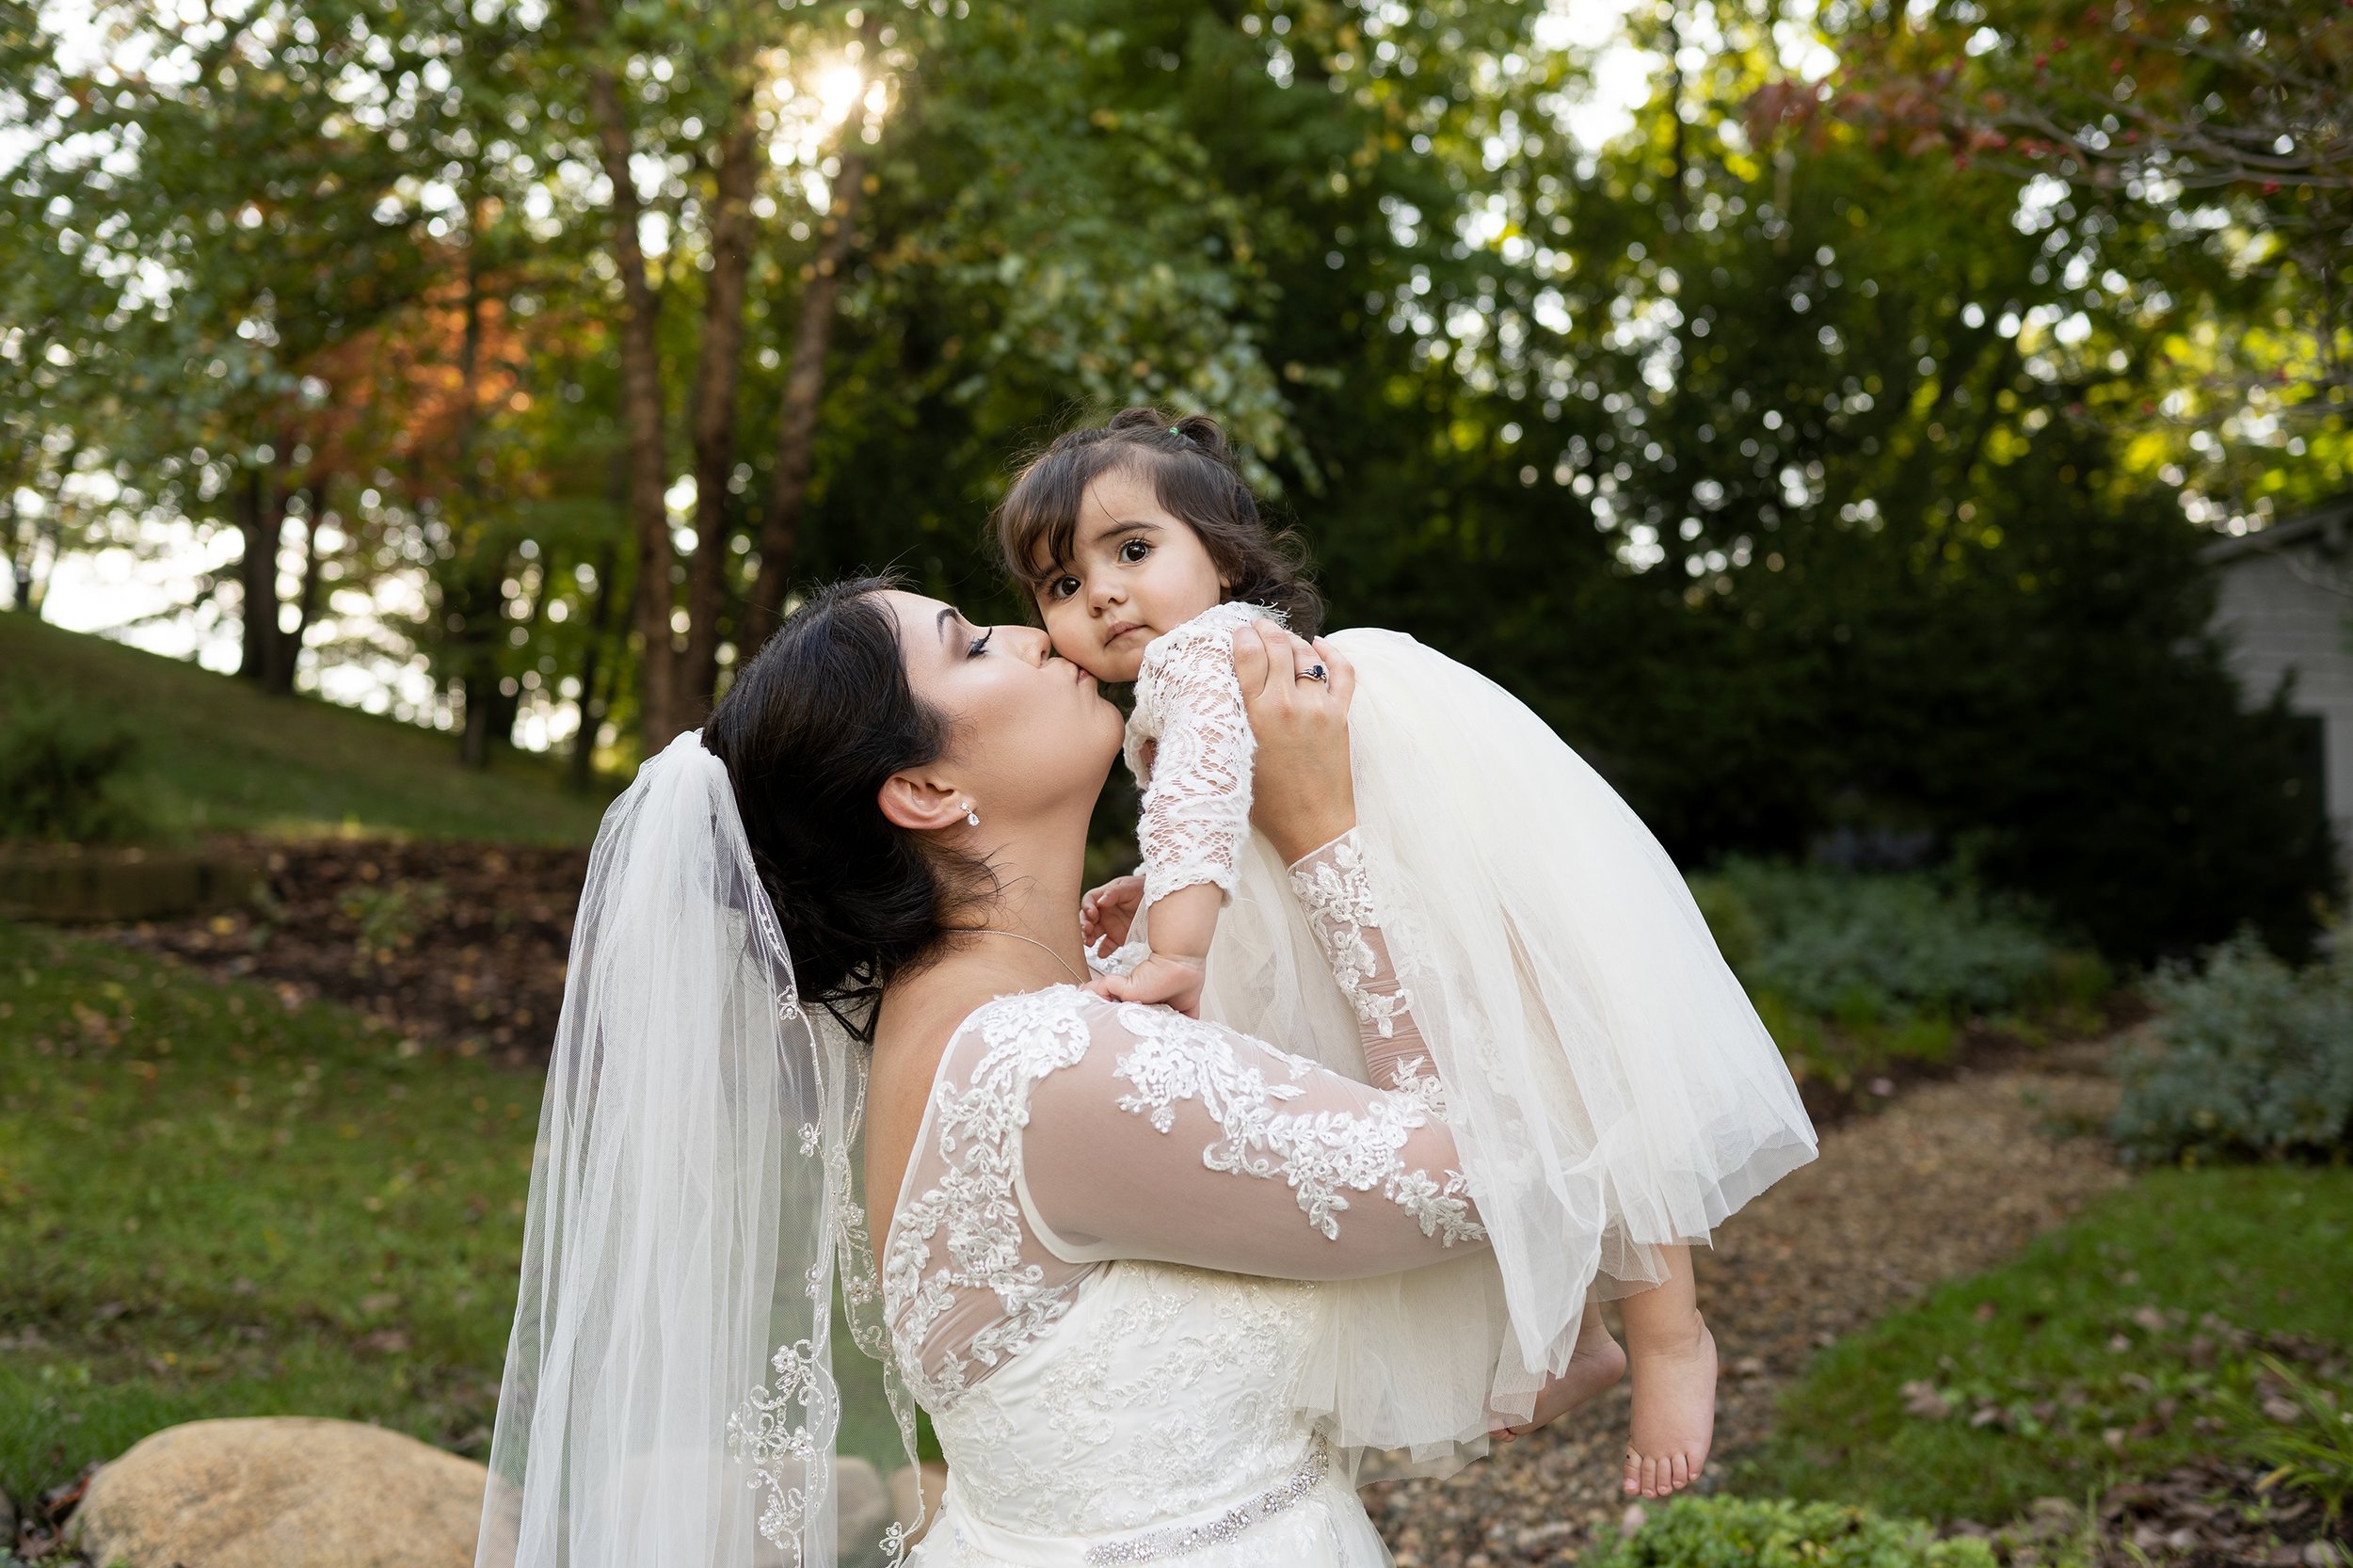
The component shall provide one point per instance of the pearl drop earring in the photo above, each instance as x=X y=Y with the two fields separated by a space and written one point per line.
x=971 y=818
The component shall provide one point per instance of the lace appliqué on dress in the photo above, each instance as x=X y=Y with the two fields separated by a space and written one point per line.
x=1323 y=1157
x=1197 y=798
x=1336 y=893
x=974 y=1204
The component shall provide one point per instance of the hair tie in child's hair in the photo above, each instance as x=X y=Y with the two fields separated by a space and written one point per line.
x=1174 y=431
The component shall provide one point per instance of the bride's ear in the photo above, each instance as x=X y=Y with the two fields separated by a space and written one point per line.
x=920 y=803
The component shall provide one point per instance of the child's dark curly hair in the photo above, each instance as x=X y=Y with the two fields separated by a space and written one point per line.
x=1193 y=474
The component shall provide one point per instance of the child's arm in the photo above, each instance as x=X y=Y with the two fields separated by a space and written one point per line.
x=1182 y=924
x=1196 y=801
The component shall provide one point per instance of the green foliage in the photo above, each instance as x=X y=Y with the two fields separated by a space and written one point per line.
x=2312 y=1451
x=2252 y=1059
x=220 y=755
x=214 y=1204
x=1852 y=971
x=1739 y=1532
x=63 y=776
x=2128 y=1342
x=1868 y=946
x=1788 y=474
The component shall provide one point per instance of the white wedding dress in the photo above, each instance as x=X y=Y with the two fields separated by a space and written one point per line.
x=1611 y=1092
x=1102 y=1273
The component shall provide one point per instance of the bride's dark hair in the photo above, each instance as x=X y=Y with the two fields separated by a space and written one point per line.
x=812 y=725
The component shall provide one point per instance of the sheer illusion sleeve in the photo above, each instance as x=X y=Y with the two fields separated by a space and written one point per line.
x=1191 y=723
x=1182 y=1141
x=1188 y=1143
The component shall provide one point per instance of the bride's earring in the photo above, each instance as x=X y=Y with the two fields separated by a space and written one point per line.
x=971 y=818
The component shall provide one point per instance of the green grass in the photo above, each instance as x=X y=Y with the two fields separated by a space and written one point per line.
x=217 y=754
x=2126 y=1343
x=214 y=1206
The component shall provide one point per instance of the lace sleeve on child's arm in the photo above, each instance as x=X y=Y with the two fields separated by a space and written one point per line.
x=1183 y=1142
x=1197 y=796
x=1335 y=888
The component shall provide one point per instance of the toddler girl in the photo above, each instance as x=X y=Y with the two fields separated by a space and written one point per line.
x=1613 y=1094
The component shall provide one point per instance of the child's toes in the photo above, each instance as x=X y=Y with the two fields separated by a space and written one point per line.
x=1633 y=1472
x=1682 y=1472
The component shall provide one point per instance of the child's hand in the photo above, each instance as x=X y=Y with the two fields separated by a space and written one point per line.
x=1109 y=910
x=1163 y=978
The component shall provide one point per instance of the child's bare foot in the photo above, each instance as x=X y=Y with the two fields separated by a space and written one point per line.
x=1674 y=1416
x=1595 y=1367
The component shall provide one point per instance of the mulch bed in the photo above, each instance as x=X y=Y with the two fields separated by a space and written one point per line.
x=464 y=944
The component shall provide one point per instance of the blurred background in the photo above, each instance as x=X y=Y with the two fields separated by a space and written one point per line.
x=1903 y=445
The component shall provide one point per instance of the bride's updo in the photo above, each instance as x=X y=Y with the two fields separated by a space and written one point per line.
x=810 y=730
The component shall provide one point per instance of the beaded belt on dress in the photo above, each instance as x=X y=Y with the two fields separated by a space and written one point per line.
x=1177 y=1540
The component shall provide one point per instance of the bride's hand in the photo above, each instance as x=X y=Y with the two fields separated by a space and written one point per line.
x=1303 y=796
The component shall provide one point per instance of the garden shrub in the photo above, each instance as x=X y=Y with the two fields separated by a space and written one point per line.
x=1852 y=971
x=1741 y=1533
x=65 y=778
x=1866 y=946
x=2252 y=1059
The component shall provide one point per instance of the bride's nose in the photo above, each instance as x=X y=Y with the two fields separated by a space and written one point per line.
x=1034 y=644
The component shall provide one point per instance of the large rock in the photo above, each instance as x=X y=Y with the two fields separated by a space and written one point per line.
x=283 y=1491
x=934 y=1477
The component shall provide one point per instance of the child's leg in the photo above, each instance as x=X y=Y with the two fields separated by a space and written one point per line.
x=1674 y=1383
x=1595 y=1367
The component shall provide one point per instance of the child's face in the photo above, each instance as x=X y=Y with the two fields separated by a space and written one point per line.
x=1134 y=573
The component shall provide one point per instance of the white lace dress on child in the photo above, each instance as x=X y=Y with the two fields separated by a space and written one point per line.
x=1610 y=1086
x=1102 y=1273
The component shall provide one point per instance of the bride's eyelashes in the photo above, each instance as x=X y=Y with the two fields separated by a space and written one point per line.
x=980 y=644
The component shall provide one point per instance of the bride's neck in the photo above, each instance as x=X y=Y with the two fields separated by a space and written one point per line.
x=1036 y=894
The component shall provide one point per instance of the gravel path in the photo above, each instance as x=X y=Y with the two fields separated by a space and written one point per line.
x=1950 y=1178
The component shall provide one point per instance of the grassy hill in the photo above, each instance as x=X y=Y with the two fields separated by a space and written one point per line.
x=218 y=755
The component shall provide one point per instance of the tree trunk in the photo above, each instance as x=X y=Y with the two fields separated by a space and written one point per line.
x=716 y=380
x=593 y=700
x=253 y=504
x=479 y=606
x=804 y=387
x=23 y=546
x=641 y=406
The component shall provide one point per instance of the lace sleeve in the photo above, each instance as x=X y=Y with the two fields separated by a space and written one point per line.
x=1334 y=889
x=1196 y=786
x=1184 y=1142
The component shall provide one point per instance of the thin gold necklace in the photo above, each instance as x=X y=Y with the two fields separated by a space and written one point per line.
x=993 y=931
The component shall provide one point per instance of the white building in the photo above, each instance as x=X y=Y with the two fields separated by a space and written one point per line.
x=2286 y=604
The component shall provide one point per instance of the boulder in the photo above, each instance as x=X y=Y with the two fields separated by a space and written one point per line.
x=283 y=1491
x=933 y=1476
x=861 y=1511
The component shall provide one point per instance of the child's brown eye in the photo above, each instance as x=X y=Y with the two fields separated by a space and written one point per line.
x=1134 y=551
x=1064 y=587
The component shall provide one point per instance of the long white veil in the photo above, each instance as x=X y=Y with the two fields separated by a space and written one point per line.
x=669 y=1396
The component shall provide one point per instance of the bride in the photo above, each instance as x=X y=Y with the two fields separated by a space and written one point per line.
x=1156 y=1284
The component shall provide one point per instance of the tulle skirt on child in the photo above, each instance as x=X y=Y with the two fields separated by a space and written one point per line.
x=1611 y=1090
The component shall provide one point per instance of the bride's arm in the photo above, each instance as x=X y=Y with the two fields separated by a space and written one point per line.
x=1305 y=804
x=1185 y=1142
